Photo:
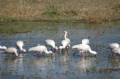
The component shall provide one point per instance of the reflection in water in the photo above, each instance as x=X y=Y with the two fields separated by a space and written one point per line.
x=115 y=63
x=84 y=63
x=15 y=65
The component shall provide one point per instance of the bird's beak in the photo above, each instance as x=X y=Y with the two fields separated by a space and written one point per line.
x=24 y=52
x=62 y=34
x=16 y=56
x=56 y=50
x=95 y=55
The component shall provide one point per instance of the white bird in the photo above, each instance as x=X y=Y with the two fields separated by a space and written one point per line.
x=3 y=47
x=40 y=49
x=65 y=36
x=66 y=42
x=115 y=49
x=11 y=50
x=84 y=48
x=113 y=45
x=85 y=41
x=51 y=43
x=20 y=45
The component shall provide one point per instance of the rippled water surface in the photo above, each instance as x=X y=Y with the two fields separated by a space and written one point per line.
x=68 y=64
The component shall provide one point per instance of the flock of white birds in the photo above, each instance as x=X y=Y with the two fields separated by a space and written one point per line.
x=84 y=47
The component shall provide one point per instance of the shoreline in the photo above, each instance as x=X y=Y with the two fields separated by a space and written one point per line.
x=57 y=21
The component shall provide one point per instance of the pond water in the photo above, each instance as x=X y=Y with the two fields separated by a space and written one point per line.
x=68 y=65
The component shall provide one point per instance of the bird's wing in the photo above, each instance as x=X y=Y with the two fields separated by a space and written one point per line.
x=50 y=42
x=64 y=43
x=20 y=43
x=114 y=45
x=78 y=46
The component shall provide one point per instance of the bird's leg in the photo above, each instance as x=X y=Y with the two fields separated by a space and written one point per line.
x=80 y=53
x=24 y=52
x=95 y=55
x=113 y=55
x=85 y=54
x=56 y=50
x=51 y=54
x=40 y=54
x=37 y=54
x=15 y=55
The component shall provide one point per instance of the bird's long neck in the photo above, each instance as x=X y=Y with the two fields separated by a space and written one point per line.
x=65 y=36
x=16 y=53
x=90 y=50
x=46 y=51
x=53 y=46
x=20 y=47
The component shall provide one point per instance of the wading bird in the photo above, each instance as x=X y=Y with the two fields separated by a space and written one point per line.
x=115 y=49
x=85 y=41
x=51 y=43
x=40 y=49
x=66 y=42
x=84 y=48
x=113 y=45
x=65 y=36
x=3 y=47
x=20 y=45
x=11 y=50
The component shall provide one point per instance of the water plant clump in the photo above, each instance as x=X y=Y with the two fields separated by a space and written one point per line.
x=101 y=70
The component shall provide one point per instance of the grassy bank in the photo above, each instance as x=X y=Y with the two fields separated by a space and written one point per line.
x=90 y=11
x=16 y=27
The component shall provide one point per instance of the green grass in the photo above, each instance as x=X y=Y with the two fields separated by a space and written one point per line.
x=8 y=19
x=90 y=11
x=16 y=27
x=26 y=27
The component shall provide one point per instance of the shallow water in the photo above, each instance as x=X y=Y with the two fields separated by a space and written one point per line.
x=68 y=64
